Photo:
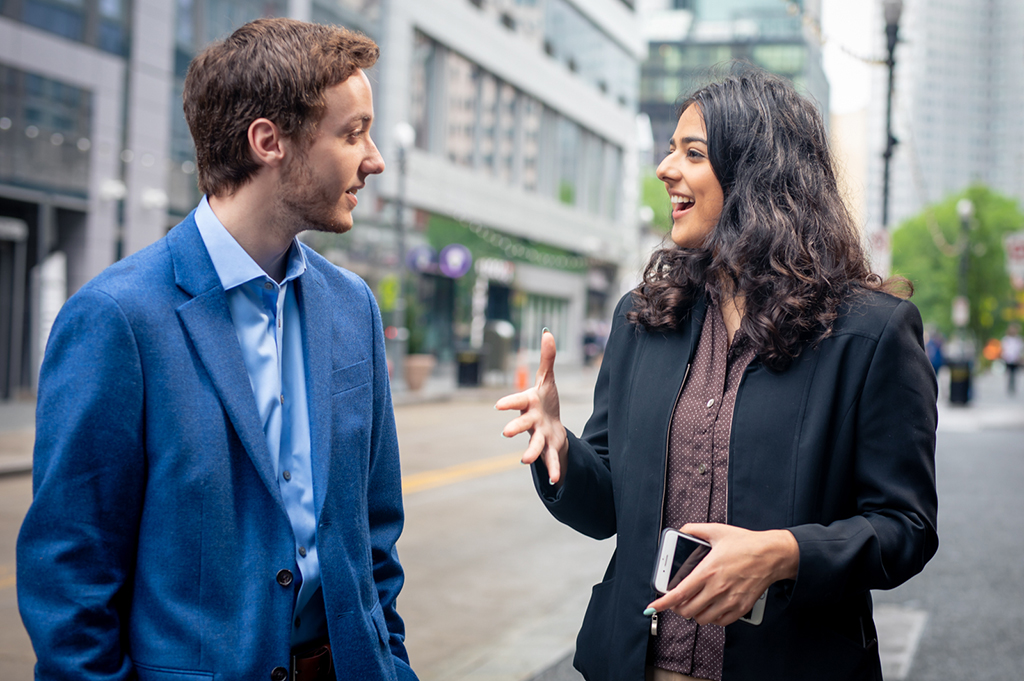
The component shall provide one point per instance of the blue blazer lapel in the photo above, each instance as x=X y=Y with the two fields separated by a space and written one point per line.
x=207 y=319
x=317 y=332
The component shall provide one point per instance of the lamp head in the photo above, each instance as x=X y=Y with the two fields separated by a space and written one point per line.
x=892 y=10
x=965 y=209
x=405 y=136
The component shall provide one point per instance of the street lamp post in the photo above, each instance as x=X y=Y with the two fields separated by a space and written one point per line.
x=961 y=355
x=891 y=10
x=404 y=138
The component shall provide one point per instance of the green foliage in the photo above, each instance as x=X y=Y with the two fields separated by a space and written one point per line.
x=653 y=194
x=930 y=258
x=567 y=193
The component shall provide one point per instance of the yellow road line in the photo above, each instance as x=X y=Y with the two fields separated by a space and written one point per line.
x=417 y=482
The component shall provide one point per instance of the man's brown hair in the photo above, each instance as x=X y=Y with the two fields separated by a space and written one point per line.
x=276 y=69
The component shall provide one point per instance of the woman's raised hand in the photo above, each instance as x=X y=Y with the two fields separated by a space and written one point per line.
x=539 y=415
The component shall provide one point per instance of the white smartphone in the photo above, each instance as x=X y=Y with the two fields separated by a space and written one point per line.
x=756 y=613
x=678 y=554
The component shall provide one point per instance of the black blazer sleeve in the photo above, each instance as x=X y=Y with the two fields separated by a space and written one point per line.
x=585 y=501
x=893 y=422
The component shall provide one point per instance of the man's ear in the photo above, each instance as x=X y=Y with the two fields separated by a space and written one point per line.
x=266 y=143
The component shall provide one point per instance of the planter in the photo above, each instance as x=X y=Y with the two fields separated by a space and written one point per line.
x=417 y=369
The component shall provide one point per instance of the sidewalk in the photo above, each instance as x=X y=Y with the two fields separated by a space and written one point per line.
x=17 y=417
x=17 y=433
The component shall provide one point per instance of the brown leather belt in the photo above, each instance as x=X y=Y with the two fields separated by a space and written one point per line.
x=315 y=665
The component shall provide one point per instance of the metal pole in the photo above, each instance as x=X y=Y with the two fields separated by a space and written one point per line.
x=891 y=33
x=398 y=318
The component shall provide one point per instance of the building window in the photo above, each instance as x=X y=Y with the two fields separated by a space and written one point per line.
x=44 y=133
x=476 y=120
x=100 y=23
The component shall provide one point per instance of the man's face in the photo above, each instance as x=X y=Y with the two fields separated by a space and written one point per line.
x=319 y=185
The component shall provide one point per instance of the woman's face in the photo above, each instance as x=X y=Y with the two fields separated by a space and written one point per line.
x=692 y=186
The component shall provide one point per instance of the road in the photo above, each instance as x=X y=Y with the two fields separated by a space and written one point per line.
x=496 y=588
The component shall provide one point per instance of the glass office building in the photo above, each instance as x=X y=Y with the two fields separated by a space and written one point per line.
x=687 y=39
x=524 y=112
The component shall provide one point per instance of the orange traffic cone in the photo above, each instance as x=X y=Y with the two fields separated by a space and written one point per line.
x=522 y=372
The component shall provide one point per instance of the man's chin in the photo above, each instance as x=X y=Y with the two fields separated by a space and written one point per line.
x=330 y=225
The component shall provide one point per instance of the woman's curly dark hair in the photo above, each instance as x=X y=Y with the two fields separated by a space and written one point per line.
x=785 y=241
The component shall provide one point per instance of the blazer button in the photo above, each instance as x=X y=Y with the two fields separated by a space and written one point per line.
x=278 y=674
x=284 y=578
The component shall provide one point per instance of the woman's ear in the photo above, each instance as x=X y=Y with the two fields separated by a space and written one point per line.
x=266 y=143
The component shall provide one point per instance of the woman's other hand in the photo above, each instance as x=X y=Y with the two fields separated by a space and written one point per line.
x=539 y=415
x=741 y=566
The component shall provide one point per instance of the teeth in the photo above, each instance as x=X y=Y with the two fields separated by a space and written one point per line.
x=681 y=199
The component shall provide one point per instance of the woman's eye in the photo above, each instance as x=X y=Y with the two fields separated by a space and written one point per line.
x=693 y=153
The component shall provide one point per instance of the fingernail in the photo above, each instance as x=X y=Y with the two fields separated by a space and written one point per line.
x=551 y=482
x=649 y=611
x=545 y=330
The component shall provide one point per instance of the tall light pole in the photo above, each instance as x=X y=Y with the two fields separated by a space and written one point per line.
x=962 y=351
x=891 y=10
x=404 y=138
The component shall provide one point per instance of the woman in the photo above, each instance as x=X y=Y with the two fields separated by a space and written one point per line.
x=761 y=390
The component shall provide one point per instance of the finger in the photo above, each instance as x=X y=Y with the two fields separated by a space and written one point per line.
x=705 y=531
x=520 y=401
x=673 y=599
x=553 y=464
x=518 y=425
x=534 y=449
x=547 y=357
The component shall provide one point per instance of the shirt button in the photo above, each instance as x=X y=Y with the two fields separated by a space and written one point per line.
x=702 y=469
x=278 y=674
x=298 y=622
x=302 y=551
x=282 y=399
x=710 y=403
x=268 y=286
x=285 y=577
x=287 y=475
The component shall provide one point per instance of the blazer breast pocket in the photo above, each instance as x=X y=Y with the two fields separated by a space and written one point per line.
x=352 y=376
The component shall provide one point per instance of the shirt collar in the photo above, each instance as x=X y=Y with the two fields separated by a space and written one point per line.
x=233 y=265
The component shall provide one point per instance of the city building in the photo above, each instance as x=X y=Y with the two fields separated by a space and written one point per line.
x=514 y=203
x=959 y=91
x=688 y=38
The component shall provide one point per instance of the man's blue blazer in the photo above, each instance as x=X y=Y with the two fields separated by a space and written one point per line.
x=157 y=532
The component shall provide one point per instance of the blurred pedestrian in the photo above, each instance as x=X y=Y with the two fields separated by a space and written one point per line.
x=933 y=347
x=763 y=391
x=216 y=478
x=1013 y=348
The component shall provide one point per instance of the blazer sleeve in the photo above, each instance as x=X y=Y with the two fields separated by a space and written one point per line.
x=585 y=501
x=894 y=534
x=386 y=515
x=76 y=548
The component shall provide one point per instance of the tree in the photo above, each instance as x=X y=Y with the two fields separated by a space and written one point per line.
x=653 y=194
x=926 y=249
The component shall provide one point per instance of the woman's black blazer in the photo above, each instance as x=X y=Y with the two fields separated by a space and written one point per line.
x=839 y=449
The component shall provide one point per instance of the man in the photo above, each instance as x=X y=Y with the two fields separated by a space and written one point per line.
x=1012 y=349
x=217 y=488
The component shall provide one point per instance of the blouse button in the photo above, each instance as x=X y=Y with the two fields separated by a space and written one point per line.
x=710 y=403
x=702 y=469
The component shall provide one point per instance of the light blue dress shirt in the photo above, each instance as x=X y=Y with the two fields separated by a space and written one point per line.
x=266 y=318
